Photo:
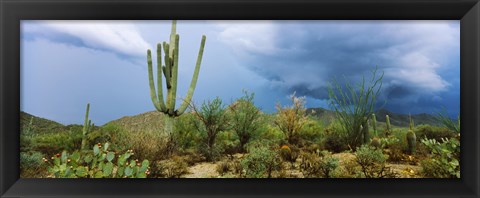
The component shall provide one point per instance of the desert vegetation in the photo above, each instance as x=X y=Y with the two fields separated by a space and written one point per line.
x=216 y=139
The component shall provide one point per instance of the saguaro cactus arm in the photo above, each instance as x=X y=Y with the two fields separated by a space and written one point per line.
x=193 y=83
x=156 y=100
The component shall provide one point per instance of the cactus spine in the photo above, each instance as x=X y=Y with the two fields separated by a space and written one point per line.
x=389 y=127
x=87 y=128
x=411 y=138
x=170 y=71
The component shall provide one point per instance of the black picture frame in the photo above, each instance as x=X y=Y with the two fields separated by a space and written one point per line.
x=12 y=11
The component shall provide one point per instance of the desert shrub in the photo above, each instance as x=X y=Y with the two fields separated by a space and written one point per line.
x=260 y=162
x=97 y=163
x=291 y=119
x=228 y=142
x=444 y=161
x=433 y=132
x=373 y=162
x=211 y=120
x=334 y=139
x=354 y=104
x=312 y=132
x=51 y=143
x=321 y=164
x=245 y=119
x=185 y=134
x=32 y=165
x=223 y=167
x=171 y=168
x=273 y=134
x=147 y=144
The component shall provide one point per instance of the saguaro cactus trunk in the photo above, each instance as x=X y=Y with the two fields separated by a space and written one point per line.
x=87 y=127
x=170 y=72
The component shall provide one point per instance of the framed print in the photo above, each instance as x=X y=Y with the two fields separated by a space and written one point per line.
x=239 y=98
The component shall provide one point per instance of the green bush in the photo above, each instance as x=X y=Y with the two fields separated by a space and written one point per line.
x=321 y=164
x=211 y=120
x=312 y=132
x=445 y=157
x=185 y=134
x=433 y=132
x=51 y=143
x=147 y=144
x=245 y=119
x=260 y=162
x=32 y=165
x=373 y=162
x=99 y=163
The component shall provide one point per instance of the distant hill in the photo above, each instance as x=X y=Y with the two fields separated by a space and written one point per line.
x=40 y=125
x=396 y=119
x=153 y=120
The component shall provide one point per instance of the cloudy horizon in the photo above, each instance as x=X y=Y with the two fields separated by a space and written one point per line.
x=67 y=64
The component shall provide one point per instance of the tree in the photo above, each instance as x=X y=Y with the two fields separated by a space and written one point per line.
x=291 y=119
x=354 y=105
x=211 y=120
x=245 y=118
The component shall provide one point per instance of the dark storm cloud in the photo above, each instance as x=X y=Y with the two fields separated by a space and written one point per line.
x=305 y=56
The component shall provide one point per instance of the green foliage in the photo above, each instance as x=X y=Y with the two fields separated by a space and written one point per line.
x=260 y=162
x=373 y=162
x=355 y=105
x=433 y=132
x=97 y=163
x=312 y=131
x=448 y=122
x=291 y=119
x=211 y=120
x=32 y=165
x=445 y=157
x=170 y=72
x=321 y=164
x=334 y=138
x=245 y=118
x=184 y=135
x=50 y=143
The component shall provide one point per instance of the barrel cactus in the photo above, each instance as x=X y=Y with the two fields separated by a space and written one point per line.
x=170 y=72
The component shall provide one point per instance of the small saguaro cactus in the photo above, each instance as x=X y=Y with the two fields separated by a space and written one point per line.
x=374 y=125
x=170 y=72
x=365 y=131
x=88 y=126
x=411 y=138
x=389 y=127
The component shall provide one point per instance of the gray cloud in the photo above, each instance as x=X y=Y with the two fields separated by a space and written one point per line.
x=306 y=56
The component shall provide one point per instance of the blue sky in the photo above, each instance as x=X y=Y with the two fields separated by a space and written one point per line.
x=67 y=64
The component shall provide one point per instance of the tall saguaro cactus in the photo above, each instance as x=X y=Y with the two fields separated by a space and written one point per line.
x=170 y=72
x=87 y=128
